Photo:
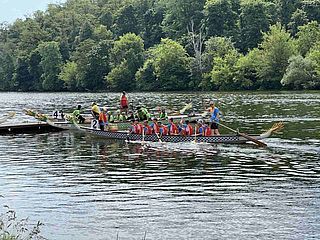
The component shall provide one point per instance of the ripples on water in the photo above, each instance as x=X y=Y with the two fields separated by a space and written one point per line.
x=82 y=187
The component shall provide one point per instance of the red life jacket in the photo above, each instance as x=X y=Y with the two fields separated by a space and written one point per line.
x=207 y=131
x=164 y=130
x=156 y=128
x=124 y=101
x=147 y=130
x=139 y=128
x=173 y=129
x=189 y=130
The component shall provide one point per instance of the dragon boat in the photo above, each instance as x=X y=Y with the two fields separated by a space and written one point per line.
x=227 y=138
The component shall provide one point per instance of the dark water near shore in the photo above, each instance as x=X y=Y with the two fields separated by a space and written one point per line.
x=87 y=188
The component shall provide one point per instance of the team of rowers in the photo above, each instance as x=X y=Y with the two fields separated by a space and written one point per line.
x=140 y=120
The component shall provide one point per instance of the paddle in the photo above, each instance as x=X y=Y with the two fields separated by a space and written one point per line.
x=159 y=138
x=186 y=107
x=259 y=143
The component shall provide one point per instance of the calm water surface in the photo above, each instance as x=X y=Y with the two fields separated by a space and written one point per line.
x=82 y=187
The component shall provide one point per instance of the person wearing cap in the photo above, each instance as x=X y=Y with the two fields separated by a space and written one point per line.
x=103 y=119
x=95 y=111
x=77 y=115
x=124 y=103
x=173 y=129
x=214 y=120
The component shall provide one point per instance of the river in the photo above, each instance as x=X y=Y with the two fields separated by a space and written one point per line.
x=82 y=187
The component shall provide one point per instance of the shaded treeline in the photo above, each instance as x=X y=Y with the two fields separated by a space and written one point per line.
x=155 y=45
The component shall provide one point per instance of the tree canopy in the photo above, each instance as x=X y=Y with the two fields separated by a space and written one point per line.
x=163 y=45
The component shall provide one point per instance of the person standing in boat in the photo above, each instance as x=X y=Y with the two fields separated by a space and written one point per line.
x=124 y=103
x=77 y=115
x=103 y=119
x=95 y=111
x=214 y=120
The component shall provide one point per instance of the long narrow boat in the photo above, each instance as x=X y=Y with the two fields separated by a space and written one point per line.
x=230 y=138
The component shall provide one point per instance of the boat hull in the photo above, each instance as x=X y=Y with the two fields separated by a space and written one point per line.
x=235 y=139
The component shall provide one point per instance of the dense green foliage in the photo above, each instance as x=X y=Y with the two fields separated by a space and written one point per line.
x=169 y=45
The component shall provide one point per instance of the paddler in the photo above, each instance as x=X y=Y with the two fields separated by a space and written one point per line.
x=77 y=115
x=95 y=111
x=163 y=114
x=110 y=117
x=188 y=128
x=124 y=103
x=214 y=120
x=163 y=129
x=143 y=113
x=147 y=128
x=103 y=119
x=119 y=117
x=173 y=129
x=154 y=126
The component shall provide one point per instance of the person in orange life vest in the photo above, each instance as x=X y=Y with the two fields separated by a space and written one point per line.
x=188 y=128
x=146 y=128
x=173 y=129
x=163 y=129
x=154 y=125
x=124 y=103
x=200 y=128
x=138 y=127
x=103 y=119
x=204 y=129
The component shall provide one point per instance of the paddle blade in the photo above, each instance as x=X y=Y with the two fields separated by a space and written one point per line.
x=186 y=107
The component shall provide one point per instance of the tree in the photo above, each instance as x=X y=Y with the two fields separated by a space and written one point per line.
x=68 y=74
x=126 y=21
x=6 y=68
x=170 y=65
x=253 y=21
x=298 y=18
x=300 y=74
x=276 y=49
x=308 y=35
x=220 y=18
x=314 y=56
x=51 y=61
x=127 y=52
x=178 y=14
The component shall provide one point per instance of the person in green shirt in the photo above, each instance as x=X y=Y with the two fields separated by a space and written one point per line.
x=143 y=113
x=163 y=114
x=77 y=115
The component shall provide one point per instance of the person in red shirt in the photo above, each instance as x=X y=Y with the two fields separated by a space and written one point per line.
x=124 y=103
